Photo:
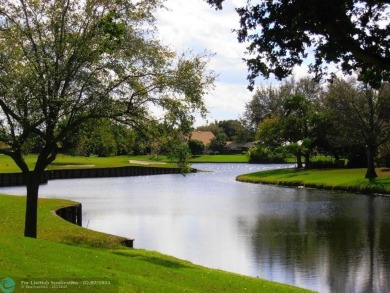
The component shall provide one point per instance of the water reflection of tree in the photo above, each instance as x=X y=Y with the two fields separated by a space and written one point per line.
x=341 y=244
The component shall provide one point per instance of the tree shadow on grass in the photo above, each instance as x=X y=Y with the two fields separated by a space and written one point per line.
x=377 y=185
x=293 y=173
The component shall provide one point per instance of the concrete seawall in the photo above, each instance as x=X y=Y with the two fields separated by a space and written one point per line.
x=110 y=172
x=16 y=179
x=73 y=214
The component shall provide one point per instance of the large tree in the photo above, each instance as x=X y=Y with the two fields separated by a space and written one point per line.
x=362 y=116
x=350 y=33
x=299 y=129
x=235 y=130
x=265 y=103
x=268 y=101
x=101 y=137
x=63 y=63
x=290 y=114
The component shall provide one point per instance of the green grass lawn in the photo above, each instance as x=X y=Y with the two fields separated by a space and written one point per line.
x=7 y=165
x=220 y=159
x=67 y=252
x=62 y=161
x=339 y=179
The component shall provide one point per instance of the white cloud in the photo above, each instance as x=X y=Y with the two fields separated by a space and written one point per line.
x=194 y=25
x=227 y=101
x=300 y=71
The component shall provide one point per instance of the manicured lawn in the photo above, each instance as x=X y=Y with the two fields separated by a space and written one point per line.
x=340 y=179
x=7 y=165
x=67 y=252
x=220 y=159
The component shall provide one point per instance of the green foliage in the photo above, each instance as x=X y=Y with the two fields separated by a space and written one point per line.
x=266 y=155
x=180 y=155
x=104 y=144
x=196 y=147
x=113 y=31
x=296 y=122
x=270 y=132
x=351 y=34
x=300 y=147
x=367 y=122
x=265 y=103
x=218 y=143
x=213 y=127
x=235 y=130
x=102 y=138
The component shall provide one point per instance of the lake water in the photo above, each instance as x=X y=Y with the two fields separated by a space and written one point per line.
x=320 y=240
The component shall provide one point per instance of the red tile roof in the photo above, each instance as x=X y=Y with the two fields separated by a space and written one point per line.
x=203 y=136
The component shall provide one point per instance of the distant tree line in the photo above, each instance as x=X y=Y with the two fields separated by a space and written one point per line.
x=345 y=119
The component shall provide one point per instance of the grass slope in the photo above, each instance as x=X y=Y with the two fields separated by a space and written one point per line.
x=67 y=252
x=338 y=179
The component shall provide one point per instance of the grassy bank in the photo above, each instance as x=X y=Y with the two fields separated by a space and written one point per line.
x=336 y=179
x=68 y=252
x=7 y=165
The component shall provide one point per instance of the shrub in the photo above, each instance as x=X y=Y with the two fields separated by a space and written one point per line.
x=264 y=155
x=196 y=147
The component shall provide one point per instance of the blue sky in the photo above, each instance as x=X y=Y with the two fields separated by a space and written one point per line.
x=194 y=25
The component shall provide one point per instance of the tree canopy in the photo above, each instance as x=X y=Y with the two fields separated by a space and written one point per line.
x=353 y=34
x=364 y=113
x=63 y=63
x=289 y=115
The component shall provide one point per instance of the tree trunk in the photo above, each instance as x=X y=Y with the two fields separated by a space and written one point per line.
x=299 y=161
x=32 y=184
x=307 y=160
x=370 y=152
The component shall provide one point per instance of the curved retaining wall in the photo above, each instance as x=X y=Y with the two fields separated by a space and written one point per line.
x=15 y=179
x=73 y=214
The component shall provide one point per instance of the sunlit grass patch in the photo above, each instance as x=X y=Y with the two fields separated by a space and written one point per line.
x=341 y=179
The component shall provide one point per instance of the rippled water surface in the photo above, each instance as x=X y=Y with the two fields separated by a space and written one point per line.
x=324 y=241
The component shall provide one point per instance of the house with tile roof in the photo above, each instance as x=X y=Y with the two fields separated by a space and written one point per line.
x=203 y=136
